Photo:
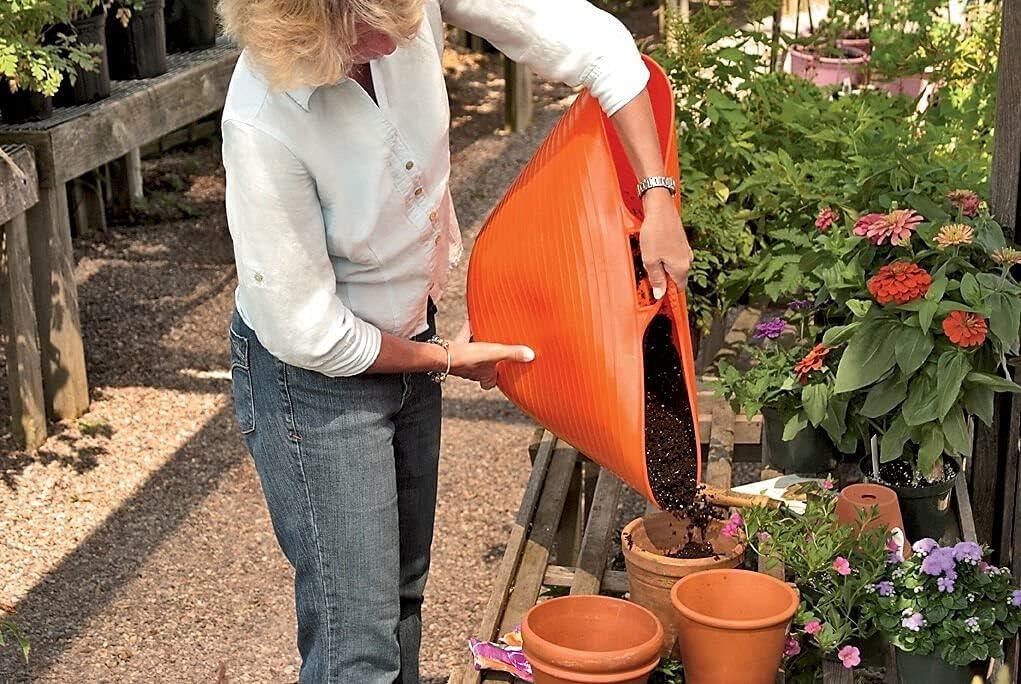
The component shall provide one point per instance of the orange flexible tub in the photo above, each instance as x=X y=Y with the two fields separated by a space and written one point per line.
x=556 y=268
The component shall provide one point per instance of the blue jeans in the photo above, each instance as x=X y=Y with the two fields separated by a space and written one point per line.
x=349 y=468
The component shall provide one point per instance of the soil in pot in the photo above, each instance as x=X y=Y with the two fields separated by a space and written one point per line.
x=138 y=50
x=924 y=503
x=593 y=639
x=655 y=549
x=811 y=452
x=89 y=86
x=731 y=625
x=23 y=105
x=828 y=71
x=191 y=24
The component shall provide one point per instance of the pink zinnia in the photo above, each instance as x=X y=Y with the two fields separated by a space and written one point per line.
x=813 y=627
x=850 y=656
x=895 y=227
x=967 y=201
x=842 y=566
x=826 y=218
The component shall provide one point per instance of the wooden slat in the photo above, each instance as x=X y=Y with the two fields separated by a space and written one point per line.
x=1006 y=174
x=595 y=546
x=126 y=180
x=17 y=314
x=719 y=461
x=518 y=107
x=962 y=507
x=614 y=581
x=18 y=187
x=835 y=673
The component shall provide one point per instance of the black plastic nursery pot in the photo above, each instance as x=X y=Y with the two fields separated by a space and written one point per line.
x=191 y=24
x=809 y=453
x=925 y=509
x=24 y=105
x=89 y=86
x=138 y=50
x=931 y=669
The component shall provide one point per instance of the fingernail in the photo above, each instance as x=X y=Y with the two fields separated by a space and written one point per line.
x=529 y=354
x=658 y=292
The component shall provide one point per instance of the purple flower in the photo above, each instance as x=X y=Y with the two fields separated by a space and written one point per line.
x=914 y=622
x=850 y=656
x=924 y=546
x=791 y=647
x=763 y=536
x=1015 y=598
x=939 y=561
x=885 y=588
x=972 y=624
x=945 y=584
x=968 y=551
x=800 y=305
x=771 y=329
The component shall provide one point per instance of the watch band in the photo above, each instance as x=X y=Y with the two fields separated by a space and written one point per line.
x=657 y=182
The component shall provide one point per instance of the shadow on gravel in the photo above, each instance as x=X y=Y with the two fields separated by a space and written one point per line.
x=497 y=409
x=61 y=605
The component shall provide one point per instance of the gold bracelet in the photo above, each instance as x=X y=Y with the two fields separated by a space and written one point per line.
x=440 y=376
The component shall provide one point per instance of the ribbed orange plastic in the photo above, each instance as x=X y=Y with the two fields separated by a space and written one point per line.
x=553 y=269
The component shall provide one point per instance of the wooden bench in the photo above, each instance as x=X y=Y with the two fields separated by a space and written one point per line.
x=19 y=192
x=76 y=141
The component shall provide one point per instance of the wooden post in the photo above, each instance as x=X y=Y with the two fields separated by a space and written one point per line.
x=17 y=311
x=56 y=305
x=517 y=95
x=126 y=180
x=85 y=203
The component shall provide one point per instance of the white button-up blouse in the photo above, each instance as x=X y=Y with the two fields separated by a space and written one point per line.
x=339 y=209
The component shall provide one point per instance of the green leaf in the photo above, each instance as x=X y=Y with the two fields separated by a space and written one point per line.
x=891 y=446
x=885 y=396
x=859 y=307
x=955 y=430
x=1005 y=319
x=814 y=399
x=970 y=290
x=869 y=355
x=912 y=347
x=930 y=450
x=951 y=370
x=979 y=400
x=926 y=312
x=840 y=334
x=922 y=404
x=997 y=383
x=794 y=425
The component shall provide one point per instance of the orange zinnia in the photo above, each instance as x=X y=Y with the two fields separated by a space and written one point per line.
x=965 y=329
x=900 y=282
x=815 y=360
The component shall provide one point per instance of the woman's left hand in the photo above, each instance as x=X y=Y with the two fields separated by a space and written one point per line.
x=665 y=249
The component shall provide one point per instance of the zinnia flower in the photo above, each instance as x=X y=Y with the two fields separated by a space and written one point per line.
x=842 y=566
x=900 y=282
x=967 y=201
x=813 y=627
x=953 y=235
x=1007 y=256
x=791 y=647
x=965 y=329
x=895 y=227
x=850 y=656
x=771 y=329
x=914 y=622
x=924 y=546
x=826 y=218
x=815 y=360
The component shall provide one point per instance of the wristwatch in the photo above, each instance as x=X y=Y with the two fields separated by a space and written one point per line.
x=657 y=182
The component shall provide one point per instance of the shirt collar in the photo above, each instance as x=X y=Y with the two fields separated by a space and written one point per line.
x=301 y=95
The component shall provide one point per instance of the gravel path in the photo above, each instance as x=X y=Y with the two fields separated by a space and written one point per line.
x=135 y=544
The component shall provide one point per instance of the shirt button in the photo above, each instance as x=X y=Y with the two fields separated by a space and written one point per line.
x=436 y=240
x=409 y=165
x=432 y=216
x=419 y=191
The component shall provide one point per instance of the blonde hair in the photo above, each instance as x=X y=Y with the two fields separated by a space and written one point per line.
x=310 y=42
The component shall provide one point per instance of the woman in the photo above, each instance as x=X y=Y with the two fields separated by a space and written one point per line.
x=335 y=141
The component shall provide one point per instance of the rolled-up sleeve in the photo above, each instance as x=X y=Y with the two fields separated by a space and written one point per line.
x=561 y=40
x=287 y=289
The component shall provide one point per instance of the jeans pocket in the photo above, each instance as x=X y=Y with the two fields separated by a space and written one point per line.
x=241 y=381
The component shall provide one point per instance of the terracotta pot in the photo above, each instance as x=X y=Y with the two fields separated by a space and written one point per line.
x=828 y=71
x=592 y=639
x=652 y=575
x=731 y=625
x=880 y=505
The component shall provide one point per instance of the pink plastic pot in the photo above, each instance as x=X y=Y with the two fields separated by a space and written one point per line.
x=829 y=71
x=911 y=86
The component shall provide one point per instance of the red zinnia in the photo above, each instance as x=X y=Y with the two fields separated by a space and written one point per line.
x=815 y=360
x=900 y=282
x=965 y=329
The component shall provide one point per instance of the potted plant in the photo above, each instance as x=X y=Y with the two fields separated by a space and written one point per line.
x=661 y=548
x=828 y=61
x=791 y=384
x=946 y=610
x=34 y=61
x=931 y=314
x=191 y=24
x=834 y=566
x=136 y=39
x=86 y=21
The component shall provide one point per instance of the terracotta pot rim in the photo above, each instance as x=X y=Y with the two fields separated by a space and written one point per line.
x=640 y=658
x=737 y=625
x=647 y=557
